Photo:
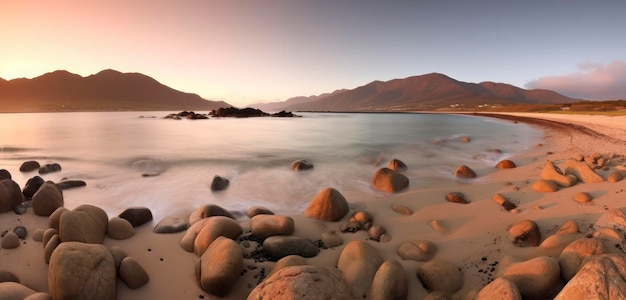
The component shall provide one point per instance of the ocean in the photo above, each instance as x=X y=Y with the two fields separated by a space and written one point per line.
x=111 y=150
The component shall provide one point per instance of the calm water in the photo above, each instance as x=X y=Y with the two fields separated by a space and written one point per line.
x=110 y=151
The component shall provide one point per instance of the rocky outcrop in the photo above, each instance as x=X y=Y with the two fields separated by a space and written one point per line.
x=232 y=112
x=601 y=277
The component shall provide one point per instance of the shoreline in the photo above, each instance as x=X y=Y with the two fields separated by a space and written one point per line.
x=174 y=275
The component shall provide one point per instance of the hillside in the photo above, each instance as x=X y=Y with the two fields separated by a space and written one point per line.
x=108 y=90
x=427 y=92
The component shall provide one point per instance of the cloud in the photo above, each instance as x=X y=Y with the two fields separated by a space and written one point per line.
x=593 y=81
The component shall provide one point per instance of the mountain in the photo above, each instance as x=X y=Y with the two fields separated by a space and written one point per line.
x=107 y=90
x=426 y=92
x=281 y=105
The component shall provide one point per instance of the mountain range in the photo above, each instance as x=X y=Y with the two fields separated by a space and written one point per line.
x=425 y=92
x=108 y=90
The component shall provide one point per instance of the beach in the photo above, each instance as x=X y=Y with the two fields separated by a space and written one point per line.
x=473 y=237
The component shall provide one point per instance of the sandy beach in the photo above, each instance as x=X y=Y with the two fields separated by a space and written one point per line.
x=474 y=236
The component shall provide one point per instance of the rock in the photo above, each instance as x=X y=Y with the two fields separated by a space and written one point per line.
x=572 y=256
x=419 y=250
x=389 y=181
x=537 y=278
x=552 y=173
x=288 y=261
x=20 y=231
x=120 y=229
x=39 y=296
x=81 y=271
x=171 y=224
x=213 y=228
x=50 y=246
x=557 y=242
x=10 y=241
x=209 y=210
x=569 y=226
x=47 y=199
x=506 y=164
x=32 y=186
x=70 y=184
x=545 y=186
x=525 y=234
x=49 y=168
x=464 y=172
x=264 y=226
x=137 y=216
x=20 y=209
x=615 y=177
x=359 y=262
x=600 y=277
x=4 y=174
x=29 y=166
x=301 y=165
x=279 y=246
x=220 y=266
x=258 y=210
x=7 y=276
x=500 y=288
x=10 y=195
x=118 y=255
x=328 y=205
x=465 y=139
x=401 y=209
x=331 y=239
x=304 y=282
x=362 y=217
x=85 y=224
x=188 y=239
x=440 y=275
x=582 y=197
x=284 y=114
x=506 y=204
x=14 y=291
x=439 y=226
x=612 y=218
x=55 y=217
x=390 y=282
x=47 y=235
x=397 y=165
x=456 y=197
x=219 y=183
x=582 y=171
x=132 y=273
x=238 y=113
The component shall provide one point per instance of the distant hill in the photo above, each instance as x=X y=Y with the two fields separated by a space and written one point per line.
x=281 y=105
x=426 y=92
x=108 y=90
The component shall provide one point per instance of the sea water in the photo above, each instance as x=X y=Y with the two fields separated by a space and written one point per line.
x=111 y=151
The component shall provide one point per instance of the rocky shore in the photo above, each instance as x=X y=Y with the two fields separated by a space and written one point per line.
x=547 y=224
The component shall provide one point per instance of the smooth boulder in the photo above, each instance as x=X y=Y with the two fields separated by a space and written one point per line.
x=572 y=256
x=120 y=229
x=500 y=288
x=220 y=266
x=279 y=246
x=29 y=166
x=440 y=275
x=219 y=183
x=390 y=282
x=209 y=210
x=10 y=195
x=389 y=181
x=359 y=262
x=419 y=250
x=328 y=205
x=601 y=277
x=213 y=228
x=47 y=199
x=506 y=164
x=525 y=234
x=137 y=216
x=264 y=226
x=171 y=224
x=537 y=278
x=132 y=273
x=464 y=172
x=86 y=224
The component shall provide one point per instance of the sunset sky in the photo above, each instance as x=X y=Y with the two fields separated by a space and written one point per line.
x=258 y=51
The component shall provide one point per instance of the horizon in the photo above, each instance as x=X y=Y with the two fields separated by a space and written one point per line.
x=249 y=52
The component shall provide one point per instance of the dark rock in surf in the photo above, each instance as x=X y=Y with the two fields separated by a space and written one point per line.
x=68 y=184
x=32 y=186
x=301 y=165
x=390 y=181
x=219 y=183
x=238 y=113
x=10 y=195
x=47 y=199
x=328 y=205
x=284 y=114
x=397 y=165
x=171 y=224
x=137 y=215
x=4 y=174
x=456 y=197
x=506 y=164
x=49 y=168
x=29 y=166
x=464 y=172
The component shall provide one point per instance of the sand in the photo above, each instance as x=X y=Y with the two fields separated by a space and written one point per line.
x=474 y=237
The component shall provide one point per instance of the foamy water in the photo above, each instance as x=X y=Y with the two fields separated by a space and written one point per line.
x=111 y=151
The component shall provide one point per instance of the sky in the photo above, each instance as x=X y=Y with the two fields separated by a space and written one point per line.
x=255 y=51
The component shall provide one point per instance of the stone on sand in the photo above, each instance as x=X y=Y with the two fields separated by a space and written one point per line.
x=582 y=171
x=32 y=186
x=615 y=177
x=258 y=210
x=397 y=165
x=440 y=275
x=419 y=250
x=545 y=186
x=552 y=173
x=6 y=276
x=10 y=241
x=375 y=232
x=600 y=277
x=47 y=199
x=390 y=281
x=506 y=164
x=525 y=234
x=120 y=229
x=118 y=255
x=264 y=226
x=359 y=262
x=29 y=166
x=86 y=224
x=47 y=235
x=10 y=195
x=137 y=216
x=456 y=197
x=401 y=209
x=209 y=210
x=171 y=224
x=213 y=228
x=500 y=288
x=572 y=256
x=502 y=201
x=188 y=239
x=570 y=226
x=389 y=181
x=537 y=278
x=328 y=205
x=132 y=273
x=331 y=239
x=279 y=246
x=582 y=197
x=464 y=172
x=220 y=266
x=288 y=261
x=55 y=217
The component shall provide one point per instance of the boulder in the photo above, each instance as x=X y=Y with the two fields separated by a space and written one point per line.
x=506 y=164
x=38 y=235
x=401 y=209
x=612 y=218
x=47 y=235
x=440 y=275
x=213 y=228
x=7 y=276
x=573 y=255
x=29 y=166
x=331 y=239
x=537 y=278
x=209 y=210
x=389 y=181
x=264 y=226
x=10 y=195
x=570 y=226
x=47 y=199
x=219 y=183
x=258 y=210
x=288 y=261
x=50 y=246
x=525 y=234
x=545 y=186
x=118 y=255
x=55 y=217
x=70 y=184
x=328 y=205
x=390 y=282
x=220 y=266
x=456 y=197
x=49 y=168
x=438 y=295
x=301 y=165
x=86 y=224
x=375 y=232
x=10 y=241
x=552 y=173
x=32 y=186
x=304 y=282
x=82 y=271
x=279 y=246
x=132 y=273
x=419 y=250
x=615 y=177
x=600 y=277
x=38 y=296
x=120 y=229
x=137 y=216
x=500 y=288
x=397 y=165
x=582 y=171
x=170 y=224
x=359 y=262
x=189 y=238
x=582 y=197
x=502 y=201
x=4 y=174
x=464 y=172
x=13 y=291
